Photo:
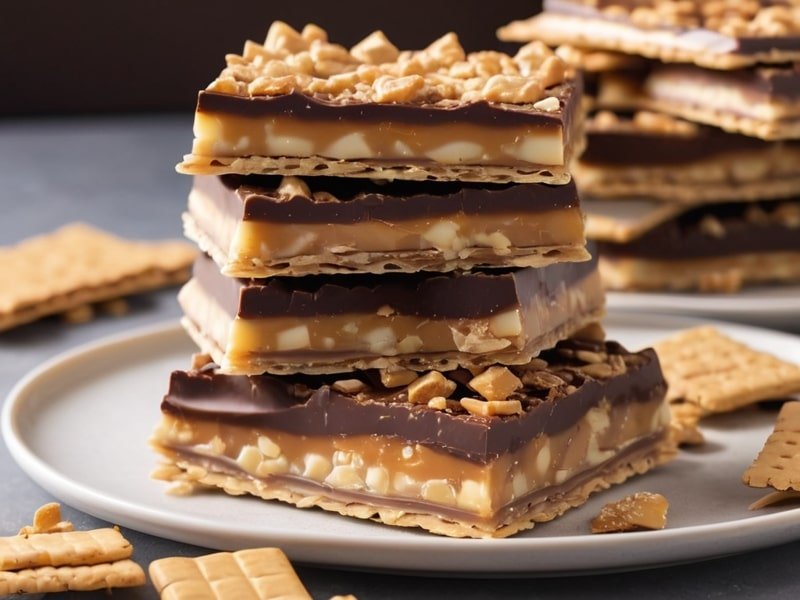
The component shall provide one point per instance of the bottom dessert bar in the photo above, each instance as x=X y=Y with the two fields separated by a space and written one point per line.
x=717 y=248
x=458 y=454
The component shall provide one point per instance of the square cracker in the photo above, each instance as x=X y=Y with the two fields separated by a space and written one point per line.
x=255 y=574
x=77 y=265
x=778 y=463
x=43 y=580
x=707 y=368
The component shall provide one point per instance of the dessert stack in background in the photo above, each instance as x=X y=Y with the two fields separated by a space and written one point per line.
x=691 y=177
x=398 y=310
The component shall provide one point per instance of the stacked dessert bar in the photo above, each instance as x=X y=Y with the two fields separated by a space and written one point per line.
x=693 y=158
x=397 y=307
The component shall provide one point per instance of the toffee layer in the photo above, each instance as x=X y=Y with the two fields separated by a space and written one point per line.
x=271 y=226
x=614 y=26
x=586 y=407
x=411 y=140
x=333 y=324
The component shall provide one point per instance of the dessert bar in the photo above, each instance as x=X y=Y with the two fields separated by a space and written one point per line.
x=300 y=105
x=761 y=101
x=716 y=35
x=456 y=453
x=264 y=226
x=718 y=247
x=324 y=324
x=659 y=156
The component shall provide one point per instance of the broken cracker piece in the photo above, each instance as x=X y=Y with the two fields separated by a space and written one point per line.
x=262 y=573
x=709 y=369
x=69 y=548
x=775 y=498
x=640 y=511
x=43 y=580
x=47 y=519
x=778 y=463
x=69 y=269
x=684 y=424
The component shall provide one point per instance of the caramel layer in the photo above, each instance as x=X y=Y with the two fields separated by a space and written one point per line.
x=227 y=135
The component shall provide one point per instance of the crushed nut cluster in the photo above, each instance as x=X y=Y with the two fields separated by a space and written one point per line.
x=643 y=121
x=374 y=70
x=735 y=18
x=510 y=390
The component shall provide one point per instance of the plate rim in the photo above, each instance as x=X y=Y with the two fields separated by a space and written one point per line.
x=782 y=526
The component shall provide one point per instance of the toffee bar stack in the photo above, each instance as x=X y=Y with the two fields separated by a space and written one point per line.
x=397 y=305
x=692 y=167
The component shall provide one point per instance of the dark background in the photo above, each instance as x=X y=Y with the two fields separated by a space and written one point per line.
x=90 y=56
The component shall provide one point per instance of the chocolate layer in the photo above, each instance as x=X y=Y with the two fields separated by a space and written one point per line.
x=456 y=295
x=712 y=41
x=307 y=405
x=632 y=146
x=356 y=200
x=318 y=108
x=738 y=228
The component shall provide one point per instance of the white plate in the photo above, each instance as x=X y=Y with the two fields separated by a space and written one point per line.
x=776 y=306
x=78 y=424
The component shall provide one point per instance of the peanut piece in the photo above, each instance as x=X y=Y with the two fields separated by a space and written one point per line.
x=643 y=510
x=429 y=386
x=496 y=383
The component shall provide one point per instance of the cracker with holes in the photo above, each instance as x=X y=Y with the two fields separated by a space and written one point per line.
x=70 y=269
x=298 y=104
x=778 y=464
x=257 y=573
x=49 y=556
x=716 y=373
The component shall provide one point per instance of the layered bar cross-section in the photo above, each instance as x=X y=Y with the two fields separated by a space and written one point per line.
x=265 y=226
x=587 y=415
x=300 y=105
x=655 y=155
x=325 y=324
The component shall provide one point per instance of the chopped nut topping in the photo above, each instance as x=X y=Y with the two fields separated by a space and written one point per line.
x=495 y=383
x=712 y=226
x=349 y=386
x=735 y=18
x=392 y=378
x=643 y=510
x=374 y=70
x=488 y=408
x=429 y=386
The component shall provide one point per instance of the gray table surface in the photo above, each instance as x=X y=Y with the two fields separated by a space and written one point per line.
x=117 y=173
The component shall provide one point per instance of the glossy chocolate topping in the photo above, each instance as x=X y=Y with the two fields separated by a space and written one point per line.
x=745 y=227
x=318 y=108
x=307 y=405
x=254 y=198
x=460 y=294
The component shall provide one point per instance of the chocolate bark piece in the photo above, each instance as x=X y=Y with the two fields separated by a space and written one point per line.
x=712 y=248
x=419 y=321
x=761 y=101
x=591 y=414
x=713 y=35
x=658 y=156
x=298 y=105
x=265 y=226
